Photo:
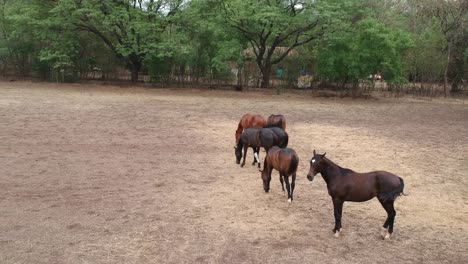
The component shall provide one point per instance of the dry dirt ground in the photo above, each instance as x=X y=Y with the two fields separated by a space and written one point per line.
x=99 y=174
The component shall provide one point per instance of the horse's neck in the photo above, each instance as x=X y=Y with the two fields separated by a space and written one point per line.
x=330 y=171
x=239 y=127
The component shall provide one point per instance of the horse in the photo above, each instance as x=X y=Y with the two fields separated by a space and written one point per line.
x=249 y=121
x=276 y=121
x=347 y=185
x=284 y=160
x=257 y=138
x=248 y=138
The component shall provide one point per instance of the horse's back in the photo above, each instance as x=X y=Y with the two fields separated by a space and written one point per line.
x=250 y=137
x=267 y=138
x=276 y=121
x=284 y=160
x=258 y=121
x=252 y=120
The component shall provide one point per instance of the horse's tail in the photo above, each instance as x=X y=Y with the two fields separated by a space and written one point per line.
x=402 y=186
x=293 y=165
x=392 y=195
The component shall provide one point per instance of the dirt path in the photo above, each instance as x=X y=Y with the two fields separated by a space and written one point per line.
x=94 y=174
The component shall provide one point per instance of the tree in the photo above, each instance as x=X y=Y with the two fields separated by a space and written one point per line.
x=365 y=48
x=129 y=28
x=268 y=25
x=17 y=39
x=452 y=17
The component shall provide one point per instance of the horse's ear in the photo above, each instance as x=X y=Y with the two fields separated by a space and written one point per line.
x=314 y=151
x=324 y=154
x=235 y=147
x=260 y=171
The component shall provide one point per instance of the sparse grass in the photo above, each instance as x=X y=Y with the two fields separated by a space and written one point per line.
x=102 y=174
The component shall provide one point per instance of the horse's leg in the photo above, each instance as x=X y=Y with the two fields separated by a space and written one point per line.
x=288 y=188
x=258 y=156
x=255 y=155
x=338 y=209
x=293 y=185
x=254 y=160
x=282 y=182
x=391 y=213
x=245 y=154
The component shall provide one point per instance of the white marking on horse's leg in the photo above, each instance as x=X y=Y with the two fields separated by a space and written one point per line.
x=387 y=236
x=289 y=200
x=256 y=157
x=337 y=233
x=383 y=231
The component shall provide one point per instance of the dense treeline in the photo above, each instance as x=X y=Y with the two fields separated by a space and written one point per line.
x=338 y=41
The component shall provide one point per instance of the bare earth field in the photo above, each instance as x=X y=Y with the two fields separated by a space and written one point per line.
x=99 y=174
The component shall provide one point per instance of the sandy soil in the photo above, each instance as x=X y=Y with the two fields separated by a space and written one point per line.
x=95 y=174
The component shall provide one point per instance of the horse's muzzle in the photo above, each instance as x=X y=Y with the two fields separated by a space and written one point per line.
x=310 y=177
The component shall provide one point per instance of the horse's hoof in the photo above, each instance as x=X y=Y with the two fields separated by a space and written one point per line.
x=289 y=201
x=387 y=236
x=337 y=233
x=383 y=231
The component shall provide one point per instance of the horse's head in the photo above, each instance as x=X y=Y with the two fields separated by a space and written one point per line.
x=316 y=165
x=266 y=180
x=238 y=152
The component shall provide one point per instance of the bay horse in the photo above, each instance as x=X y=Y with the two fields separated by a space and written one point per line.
x=257 y=138
x=347 y=185
x=276 y=121
x=284 y=160
x=249 y=121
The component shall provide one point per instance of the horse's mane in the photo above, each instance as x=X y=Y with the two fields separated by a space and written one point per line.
x=342 y=170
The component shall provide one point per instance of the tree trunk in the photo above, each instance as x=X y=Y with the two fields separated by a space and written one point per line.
x=134 y=68
x=134 y=75
x=266 y=71
x=458 y=65
x=446 y=71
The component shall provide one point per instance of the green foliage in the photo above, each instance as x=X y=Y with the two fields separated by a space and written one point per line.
x=367 y=48
x=344 y=40
x=425 y=61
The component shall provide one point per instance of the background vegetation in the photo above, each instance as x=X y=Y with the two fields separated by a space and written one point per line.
x=238 y=42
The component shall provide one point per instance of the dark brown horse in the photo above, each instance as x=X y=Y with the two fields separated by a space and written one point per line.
x=347 y=185
x=276 y=121
x=257 y=138
x=249 y=121
x=284 y=160
x=248 y=139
